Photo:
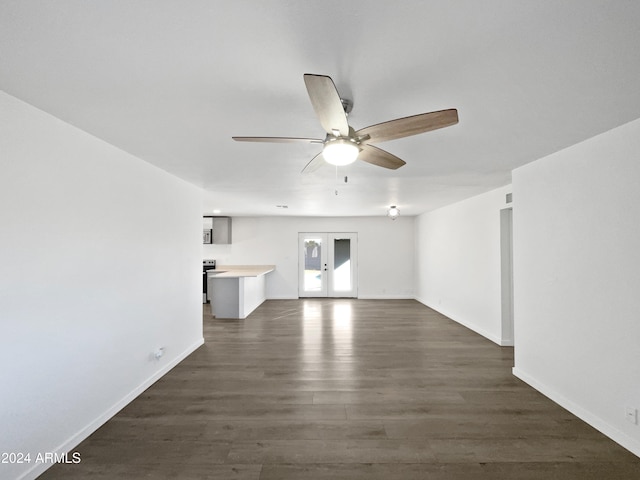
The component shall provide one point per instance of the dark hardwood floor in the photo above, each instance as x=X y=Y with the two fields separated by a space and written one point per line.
x=346 y=390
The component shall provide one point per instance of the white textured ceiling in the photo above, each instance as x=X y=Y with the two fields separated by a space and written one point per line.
x=172 y=81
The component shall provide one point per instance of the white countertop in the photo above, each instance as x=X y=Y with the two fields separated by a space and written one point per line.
x=239 y=271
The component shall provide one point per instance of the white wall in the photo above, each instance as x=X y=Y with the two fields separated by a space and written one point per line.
x=385 y=251
x=577 y=279
x=458 y=262
x=99 y=266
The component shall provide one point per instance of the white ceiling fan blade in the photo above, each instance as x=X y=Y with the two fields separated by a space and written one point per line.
x=277 y=139
x=326 y=103
x=314 y=164
x=407 y=126
x=379 y=157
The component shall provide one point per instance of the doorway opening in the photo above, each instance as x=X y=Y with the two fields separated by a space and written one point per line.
x=506 y=275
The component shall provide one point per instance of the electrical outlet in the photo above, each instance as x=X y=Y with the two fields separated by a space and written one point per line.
x=632 y=415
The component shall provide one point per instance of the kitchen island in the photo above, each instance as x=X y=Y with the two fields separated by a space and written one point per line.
x=237 y=290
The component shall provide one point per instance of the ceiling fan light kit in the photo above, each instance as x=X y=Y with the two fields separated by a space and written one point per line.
x=344 y=145
x=340 y=151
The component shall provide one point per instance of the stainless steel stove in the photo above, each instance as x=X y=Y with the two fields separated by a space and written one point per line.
x=207 y=264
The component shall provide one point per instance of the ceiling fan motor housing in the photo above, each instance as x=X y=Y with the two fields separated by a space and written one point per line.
x=347 y=105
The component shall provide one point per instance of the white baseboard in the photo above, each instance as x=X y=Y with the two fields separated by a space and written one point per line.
x=385 y=297
x=596 y=422
x=359 y=297
x=77 y=438
x=469 y=325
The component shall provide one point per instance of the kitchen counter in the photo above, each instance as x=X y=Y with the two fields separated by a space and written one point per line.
x=237 y=290
x=239 y=271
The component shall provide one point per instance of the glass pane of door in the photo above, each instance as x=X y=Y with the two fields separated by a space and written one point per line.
x=341 y=264
x=313 y=266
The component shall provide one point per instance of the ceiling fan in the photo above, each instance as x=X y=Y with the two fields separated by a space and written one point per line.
x=344 y=145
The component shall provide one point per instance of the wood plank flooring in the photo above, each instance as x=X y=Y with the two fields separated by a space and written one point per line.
x=346 y=390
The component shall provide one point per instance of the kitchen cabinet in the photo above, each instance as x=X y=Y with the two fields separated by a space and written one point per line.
x=216 y=230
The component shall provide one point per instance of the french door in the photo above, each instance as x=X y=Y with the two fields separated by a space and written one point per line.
x=327 y=265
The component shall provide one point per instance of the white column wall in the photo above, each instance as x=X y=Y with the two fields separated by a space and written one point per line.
x=99 y=266
x=577 y=279
x=385 y=251
x=458 y=262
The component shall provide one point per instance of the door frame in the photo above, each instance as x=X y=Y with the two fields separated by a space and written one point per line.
x=327 y=265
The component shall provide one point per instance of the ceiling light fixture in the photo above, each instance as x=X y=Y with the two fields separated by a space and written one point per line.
x=340 y=151
x=393 y=212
